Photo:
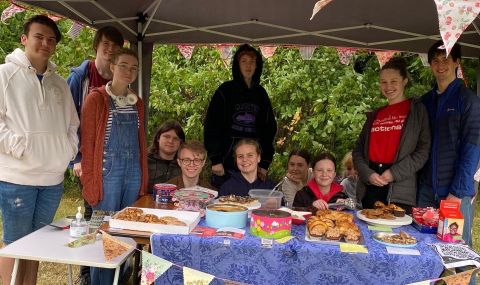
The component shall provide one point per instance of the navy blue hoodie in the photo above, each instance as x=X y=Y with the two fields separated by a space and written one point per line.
x=237 y=112
x=238 y=185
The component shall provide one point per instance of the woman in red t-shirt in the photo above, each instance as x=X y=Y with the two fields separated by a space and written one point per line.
x=394 y=143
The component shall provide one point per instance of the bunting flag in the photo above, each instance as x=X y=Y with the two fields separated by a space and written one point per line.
x=153 y=267
x=460 y=72
x=384 y=56
x=454 y=16
x=54 y=18
x=113 y=247
x=460 y=278
x=424 y=59
x=319 y=6
x=186 y=50
x=268 y=51
x=10 y=11
x=346 y=54
x=75 y=30
x=306 y=52
x=477 y=175
x=195 y=277
x=226 y=53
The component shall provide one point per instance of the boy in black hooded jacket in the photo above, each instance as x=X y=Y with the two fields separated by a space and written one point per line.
x=240 y=108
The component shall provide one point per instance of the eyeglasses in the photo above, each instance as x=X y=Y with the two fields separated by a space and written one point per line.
x=188 y=161
x=125 y=67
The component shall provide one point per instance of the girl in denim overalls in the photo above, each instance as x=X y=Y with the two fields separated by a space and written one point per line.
x=114 y=172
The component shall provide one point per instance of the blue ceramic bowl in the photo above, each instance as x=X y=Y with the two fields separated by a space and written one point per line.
x=226 y=215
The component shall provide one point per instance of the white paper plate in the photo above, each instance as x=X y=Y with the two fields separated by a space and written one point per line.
x=398 y=222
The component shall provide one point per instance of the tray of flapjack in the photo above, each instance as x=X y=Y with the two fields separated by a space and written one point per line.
x=155 y=220
x=401 y=239
x=333 y=227
x=390 y=215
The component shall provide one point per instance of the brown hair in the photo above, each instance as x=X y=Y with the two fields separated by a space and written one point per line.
x=165 y=127
x=42 y=20
x=195 y=146
x=123 y=51
x=251 y=142
x=110 y=33
x=325 y=155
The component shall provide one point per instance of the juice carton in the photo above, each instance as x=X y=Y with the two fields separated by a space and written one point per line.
x=450 y=221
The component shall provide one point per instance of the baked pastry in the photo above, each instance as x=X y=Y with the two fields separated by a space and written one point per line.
x=379 y=205
x=398 y=211
x=333 y=234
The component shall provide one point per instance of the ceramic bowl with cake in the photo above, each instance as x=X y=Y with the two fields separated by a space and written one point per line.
x=244 y=201
x=226 y=215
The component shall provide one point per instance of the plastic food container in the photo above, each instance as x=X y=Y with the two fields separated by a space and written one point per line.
x=163 y=193
x=226 y=215
x=272 y=202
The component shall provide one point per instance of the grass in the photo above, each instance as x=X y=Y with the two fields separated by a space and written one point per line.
x=54 y=273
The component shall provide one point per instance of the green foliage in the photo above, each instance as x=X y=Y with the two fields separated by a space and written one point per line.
x=320 y=104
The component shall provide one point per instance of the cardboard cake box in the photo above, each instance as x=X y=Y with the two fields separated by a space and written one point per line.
x=450 y=221
x=189 y=218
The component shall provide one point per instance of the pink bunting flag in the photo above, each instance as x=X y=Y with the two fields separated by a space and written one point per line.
x=153 y=267
x=75 y=30
x=55 y=18
x=346 y=54
x=226 y=53
x=454 y=16
x=319 y=6
x=10 y=11
x=268 y=51
x=306 y=52
x=460 y=72
x=384 y=56
x=186 y=50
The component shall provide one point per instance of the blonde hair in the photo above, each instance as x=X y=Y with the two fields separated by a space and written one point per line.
x=347 y=162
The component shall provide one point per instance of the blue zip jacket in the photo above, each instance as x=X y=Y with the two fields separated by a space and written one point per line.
x=76 y=81
x=454 y=119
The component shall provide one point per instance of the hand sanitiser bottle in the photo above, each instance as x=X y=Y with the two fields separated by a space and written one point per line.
x=79 y=226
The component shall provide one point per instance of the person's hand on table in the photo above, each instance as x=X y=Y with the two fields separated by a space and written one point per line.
x=320 y=204
x=218 y=169
x=377 y=180
x=387 y=176
x=77 y=169
x=262 y=173
x=454 y=198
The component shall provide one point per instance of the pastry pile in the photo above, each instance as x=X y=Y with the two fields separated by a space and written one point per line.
x=382 y=211
x=333 y=225
x=238 y=200
x=401 y=238
x=137 y=215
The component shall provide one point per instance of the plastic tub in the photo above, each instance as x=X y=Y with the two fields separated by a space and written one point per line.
x=272 y=202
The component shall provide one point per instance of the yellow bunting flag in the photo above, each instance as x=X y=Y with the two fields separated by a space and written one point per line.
x=195 y=277
x=113 y=247
x=459 y=279
x=153 y=267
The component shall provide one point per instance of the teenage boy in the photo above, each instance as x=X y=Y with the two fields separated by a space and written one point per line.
x=454 y=114
x=38 y=138
x=88 y=75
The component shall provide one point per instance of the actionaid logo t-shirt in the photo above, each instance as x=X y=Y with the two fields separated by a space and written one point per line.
x=386 y=132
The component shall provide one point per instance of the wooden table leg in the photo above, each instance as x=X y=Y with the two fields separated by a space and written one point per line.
x=14 y=272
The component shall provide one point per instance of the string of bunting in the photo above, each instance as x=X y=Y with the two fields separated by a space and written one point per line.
x=154 y=266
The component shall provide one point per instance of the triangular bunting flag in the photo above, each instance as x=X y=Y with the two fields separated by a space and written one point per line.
x=460 y=72
x=384 y=56
x=225 y=52
x=113 y=247
x=10 y=11
x=195 y=277
x=346 y=54
x=319 y=6
x=424 y=59
x=306 y=52
x=54 y=18
x=460 y=278
x=186 y=50
x=153 y=267
x=75 y=30
x=454 y=16
x=268 y=51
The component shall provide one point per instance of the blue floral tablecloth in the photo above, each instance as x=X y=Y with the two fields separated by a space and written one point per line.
x=296 y=262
